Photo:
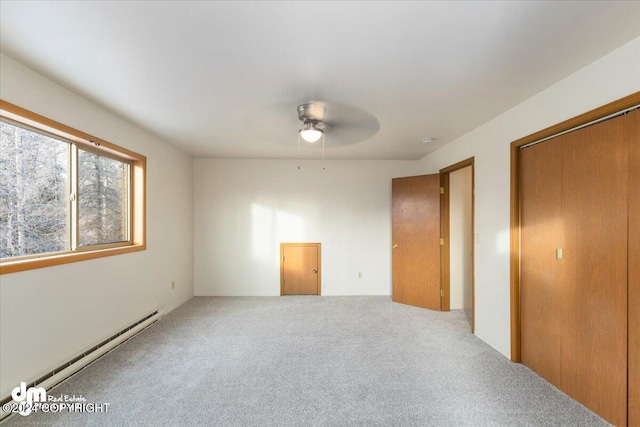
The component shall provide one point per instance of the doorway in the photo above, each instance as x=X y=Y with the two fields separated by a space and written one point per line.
x=300 y=269
x=432 y=240
x=457 y=251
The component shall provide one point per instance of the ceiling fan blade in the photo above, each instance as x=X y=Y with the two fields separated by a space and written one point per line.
x=349 y=125
x=279 y=124
x=341 y=134
x=272 y=115
x=275 y=123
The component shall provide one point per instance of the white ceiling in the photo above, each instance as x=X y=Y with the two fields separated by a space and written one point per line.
x=223 y=79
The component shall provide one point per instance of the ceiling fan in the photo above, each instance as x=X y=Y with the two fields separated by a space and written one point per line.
x=313 y=128
x=341 y=124
x=312 y=116
x=350 y=124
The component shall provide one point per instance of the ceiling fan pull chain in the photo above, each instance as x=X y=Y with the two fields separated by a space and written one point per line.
x=323 y=150
x=298 y=150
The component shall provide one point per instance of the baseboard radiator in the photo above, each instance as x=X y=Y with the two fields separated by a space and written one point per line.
x=84 y=359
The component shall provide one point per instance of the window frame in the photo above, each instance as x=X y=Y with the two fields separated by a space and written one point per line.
x=137 y=192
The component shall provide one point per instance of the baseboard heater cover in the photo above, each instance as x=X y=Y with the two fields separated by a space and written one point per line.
x=71 y=367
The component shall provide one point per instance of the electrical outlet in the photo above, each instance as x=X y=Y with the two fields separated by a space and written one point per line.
x=173 y=284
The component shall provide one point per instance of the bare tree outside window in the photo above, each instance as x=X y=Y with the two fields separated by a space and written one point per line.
x=102 y=199
x=36 y=188
x=34 y=195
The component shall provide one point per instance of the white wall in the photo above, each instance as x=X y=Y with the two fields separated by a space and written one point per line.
x=460 y=239
x=608 y=79
x=244 y=209
x=49 y=315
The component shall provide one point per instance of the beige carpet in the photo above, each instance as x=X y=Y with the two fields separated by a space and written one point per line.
x=299 y=361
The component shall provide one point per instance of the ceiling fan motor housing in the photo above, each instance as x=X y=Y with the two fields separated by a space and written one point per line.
x=311 y=112
x=312 y=116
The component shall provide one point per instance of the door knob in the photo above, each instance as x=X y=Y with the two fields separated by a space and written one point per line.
x=314 y=270
x=394 y=247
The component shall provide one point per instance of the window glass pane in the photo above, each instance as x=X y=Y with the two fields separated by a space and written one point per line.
x=103 y=185
x=34 y=195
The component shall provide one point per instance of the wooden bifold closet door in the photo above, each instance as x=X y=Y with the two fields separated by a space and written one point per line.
x=541 y=310
x=574 y=263
x=633 y=130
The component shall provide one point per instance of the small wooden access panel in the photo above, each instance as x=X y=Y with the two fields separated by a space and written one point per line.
x=300 y=269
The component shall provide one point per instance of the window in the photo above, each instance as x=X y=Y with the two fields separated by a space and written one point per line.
x=103 y=188
x=65 y=196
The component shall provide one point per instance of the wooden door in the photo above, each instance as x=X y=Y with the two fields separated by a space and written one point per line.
x=300 y=269
x=416 y=241
x=541 y=234
x=633 y=135
x=574 y=303
x=594 y=283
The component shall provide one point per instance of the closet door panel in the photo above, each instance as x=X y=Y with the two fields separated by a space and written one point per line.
x=541 y=227
x=633 y=132
x=594 y=290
